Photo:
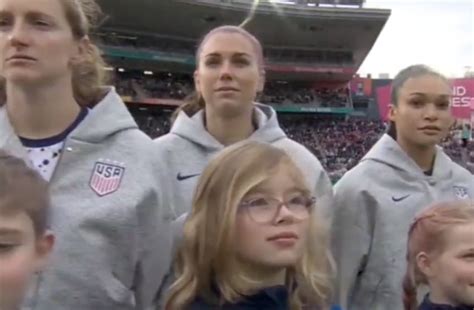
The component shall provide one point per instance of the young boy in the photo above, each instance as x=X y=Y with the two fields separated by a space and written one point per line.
x=24 y=240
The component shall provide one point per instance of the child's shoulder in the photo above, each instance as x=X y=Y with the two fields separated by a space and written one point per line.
x=428 y=305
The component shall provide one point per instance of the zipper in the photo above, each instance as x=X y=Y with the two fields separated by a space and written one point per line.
x=35 y=295
x=64 y=149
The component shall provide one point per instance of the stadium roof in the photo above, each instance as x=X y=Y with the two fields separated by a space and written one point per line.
x=282 y=26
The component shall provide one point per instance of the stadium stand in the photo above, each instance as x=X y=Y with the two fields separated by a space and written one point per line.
x=166 y=85
x=311 y=78
x=338 y=143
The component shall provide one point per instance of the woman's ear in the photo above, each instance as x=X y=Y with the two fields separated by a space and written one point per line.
x=197 y=82
x=392 y=112
x=82 y=50
x=261 y=82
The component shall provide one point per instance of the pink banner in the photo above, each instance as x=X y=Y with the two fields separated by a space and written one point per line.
x=383 y=100
x=361 y=86
x=462 y=100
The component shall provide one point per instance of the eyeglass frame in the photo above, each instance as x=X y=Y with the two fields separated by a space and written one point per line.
x=311 y=203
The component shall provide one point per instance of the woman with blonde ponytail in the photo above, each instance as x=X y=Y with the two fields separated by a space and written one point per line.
x=441 y=256
x=57 y=115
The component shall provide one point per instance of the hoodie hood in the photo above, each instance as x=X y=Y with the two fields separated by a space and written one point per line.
x=193 y=129
x=110 y=116
x=107 y=118
x=387 y=151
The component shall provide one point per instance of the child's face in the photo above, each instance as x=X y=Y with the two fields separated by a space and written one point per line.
x=257 y=234
x=21 y=255
x=453 y=270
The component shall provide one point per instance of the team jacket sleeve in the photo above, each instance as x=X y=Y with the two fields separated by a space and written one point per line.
x=350 y=237
x=155 y=255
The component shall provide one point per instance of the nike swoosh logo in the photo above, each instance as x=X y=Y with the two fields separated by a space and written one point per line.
x=185 y=177
x=398 y=199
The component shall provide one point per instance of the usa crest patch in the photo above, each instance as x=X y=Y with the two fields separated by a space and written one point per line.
x=461 y=192
x=106 y=177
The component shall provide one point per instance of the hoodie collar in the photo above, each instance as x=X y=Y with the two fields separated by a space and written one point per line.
x=389 y=152
x=108 y=117
x=428 y=305
x=9 y=141
x=276 y=297
x=194 y=130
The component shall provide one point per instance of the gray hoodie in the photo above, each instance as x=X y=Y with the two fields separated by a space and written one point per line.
x=112 y=241
x=375 y=203
x=187 y=149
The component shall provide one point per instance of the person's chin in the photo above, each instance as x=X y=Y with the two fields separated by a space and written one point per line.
x=283 y=258
x=428 y=140
x=470 y=295
x=23 y=76
x=283 y=262
x=228 y=101
x=230 y=108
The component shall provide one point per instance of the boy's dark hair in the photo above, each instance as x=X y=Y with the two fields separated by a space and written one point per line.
x=23 y=190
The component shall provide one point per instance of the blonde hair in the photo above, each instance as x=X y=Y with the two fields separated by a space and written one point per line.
x=427 y=234
x=89 y=75
x=206 y=261
x=194 y=102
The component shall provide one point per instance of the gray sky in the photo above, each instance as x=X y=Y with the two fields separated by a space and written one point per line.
x=439 y=33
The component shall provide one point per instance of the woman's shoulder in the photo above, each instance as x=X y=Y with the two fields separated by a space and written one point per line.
x=361 y=176
x=461 y=173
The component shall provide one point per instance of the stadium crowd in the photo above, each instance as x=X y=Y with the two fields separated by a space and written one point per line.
x=159 y=85
x=283 y=93
x=178 y=86
x=338 y=143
